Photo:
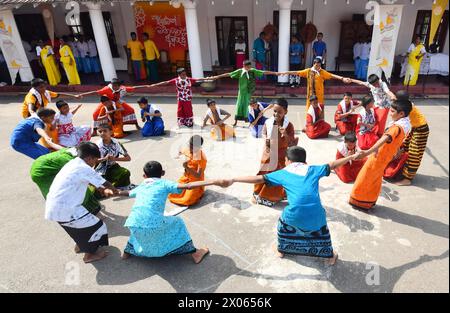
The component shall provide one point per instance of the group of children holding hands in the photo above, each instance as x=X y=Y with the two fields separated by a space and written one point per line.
x=74 y=178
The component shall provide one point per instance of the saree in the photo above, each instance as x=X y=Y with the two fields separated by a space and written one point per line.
x=316 y=127
x=69 y=65
x=247 y=87
x=113 y=119
x=191 y=197
x=348 y=172
x=413 y=67
x=367 y=187
x=264 y=193
x=51 y=69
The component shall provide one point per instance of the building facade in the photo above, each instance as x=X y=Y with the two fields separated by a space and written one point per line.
x=210 y=27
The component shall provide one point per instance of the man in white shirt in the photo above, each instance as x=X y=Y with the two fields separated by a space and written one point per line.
x=76 y=54
x=364 y=60
x=93 y=56
x=357 y=56
x=83 y=49
x=65 y=198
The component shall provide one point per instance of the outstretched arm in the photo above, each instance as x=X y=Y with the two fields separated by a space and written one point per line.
x=76 y=109
x=48 y=139
x=358 y=82
x=375 y=148
x=249 y=180
x=219 y=76
x=338 y=163
x=94 y=92
x=159 y=84
x=197 y=184
x=60 y=94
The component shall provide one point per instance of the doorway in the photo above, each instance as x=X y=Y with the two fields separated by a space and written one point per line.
x=229 y=29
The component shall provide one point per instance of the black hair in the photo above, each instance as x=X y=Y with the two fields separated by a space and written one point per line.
x=116 y=81
x=317 y=60
x=145 y=34
x=320 y=34
x=104 y=99
x=313 y=98
x=404 y=106
x=247 y=62
x=181 y=70
x=210 y=101
x=368 y=99
x=196 y=141
x=350 y=137
x=36 y=82
x=60 y=104
x=143 y=100
x=133 y=33
x=88 y=149
x=45 y=112
x=348 y=94
x=282 y=102
x=104 y=126
x=373 y=79
x=296 y=154
x=253 y=101
x=153 y=169
x=262 y=34
x=402 y=95
x=65 y=38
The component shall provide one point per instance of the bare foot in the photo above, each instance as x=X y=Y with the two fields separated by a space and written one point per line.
x=277 y=253
x=92 y=257
x=125 y=256
x=404 y=182
x=333 y=260
x=76 y=249
x=199 y=255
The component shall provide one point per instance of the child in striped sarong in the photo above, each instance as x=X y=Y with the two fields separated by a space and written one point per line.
x=415 y=144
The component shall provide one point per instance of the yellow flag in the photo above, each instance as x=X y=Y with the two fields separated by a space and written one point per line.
x=436 y=16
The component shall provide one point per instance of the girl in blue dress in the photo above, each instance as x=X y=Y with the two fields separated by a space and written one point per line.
x=151 y=116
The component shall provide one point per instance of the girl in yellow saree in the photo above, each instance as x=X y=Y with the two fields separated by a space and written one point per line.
x=49 y=64
x=68 y=63
x=416 y=53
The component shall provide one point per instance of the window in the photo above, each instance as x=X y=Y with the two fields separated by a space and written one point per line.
x=298 y=21
x=423 y=25
x=75 y=25
x=86 y=29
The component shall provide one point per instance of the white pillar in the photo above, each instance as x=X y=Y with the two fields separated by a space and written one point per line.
x=195 y=52
x=101 y=40
x=12 y=47
x=284 y=38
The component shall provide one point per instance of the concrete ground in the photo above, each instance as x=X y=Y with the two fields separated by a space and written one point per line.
x=400 y=246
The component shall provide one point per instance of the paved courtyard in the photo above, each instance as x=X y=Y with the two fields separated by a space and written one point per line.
x=400 y=246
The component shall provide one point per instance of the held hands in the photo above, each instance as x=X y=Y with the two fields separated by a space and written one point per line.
x=224 y=183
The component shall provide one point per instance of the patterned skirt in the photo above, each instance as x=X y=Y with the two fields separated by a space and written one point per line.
x=168 y=238
x=293 y=240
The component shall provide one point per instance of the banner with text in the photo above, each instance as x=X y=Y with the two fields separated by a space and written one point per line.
x=384 y=39
x=165 y=25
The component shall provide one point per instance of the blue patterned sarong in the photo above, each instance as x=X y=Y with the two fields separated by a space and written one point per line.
x=292 y=240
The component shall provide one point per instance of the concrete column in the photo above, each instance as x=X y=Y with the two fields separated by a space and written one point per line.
x=101 y=40
x=195 y=52
x=284 y=38
x=12 y=47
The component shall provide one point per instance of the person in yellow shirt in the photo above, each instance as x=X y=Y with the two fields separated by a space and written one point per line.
x=135 y=53
x=316 y=76
x=68 y=62
x=39 y=97
x=152 y=56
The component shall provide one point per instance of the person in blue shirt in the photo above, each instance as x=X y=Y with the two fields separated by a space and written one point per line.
x=256 y=116
x=25 y=136
x=259 y=51
x=152 y=117
x=302 y=228
x=296 y=52
x=152 y=234
x=320 y=49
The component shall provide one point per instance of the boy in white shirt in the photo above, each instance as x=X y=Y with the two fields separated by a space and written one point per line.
x=65 y=198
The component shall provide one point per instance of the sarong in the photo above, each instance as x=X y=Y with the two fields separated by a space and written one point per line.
x=185 y=115
x=415 y=145
x=88 y=232
x=293 y=240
